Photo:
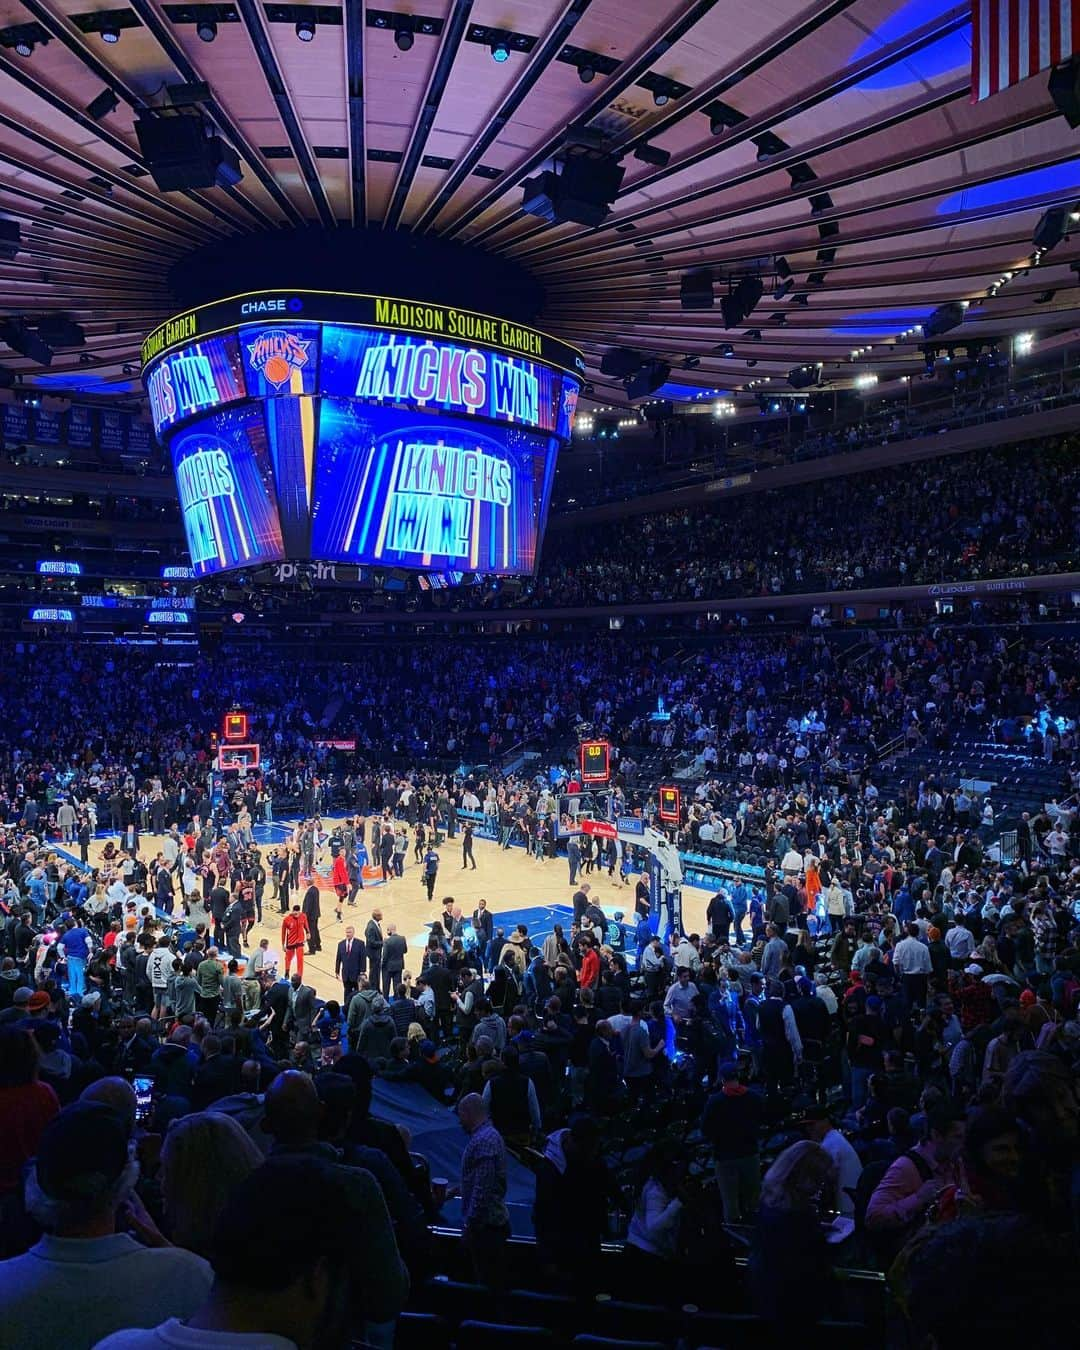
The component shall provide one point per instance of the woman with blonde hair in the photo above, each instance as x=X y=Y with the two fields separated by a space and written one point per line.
x=789 y=1235
x=203 y=1157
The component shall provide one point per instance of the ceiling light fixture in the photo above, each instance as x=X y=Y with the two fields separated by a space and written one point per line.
x=586 y=73
x=403 y=40
x=206 y=30
x=110 y=34
x=305 y=30
x=24 y=46
x=105 y=103
x=500 y=50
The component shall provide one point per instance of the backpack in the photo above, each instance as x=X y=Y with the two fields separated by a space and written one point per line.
x=885 y=1245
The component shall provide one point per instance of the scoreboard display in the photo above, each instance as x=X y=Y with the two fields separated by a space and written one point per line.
x=235 y=726
x=360 y=429
x=670 y=805
x=595 y=761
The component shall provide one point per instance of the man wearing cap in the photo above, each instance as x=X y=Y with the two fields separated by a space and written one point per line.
x=18 y=1011
x=293 y=1283
x=84 y=1280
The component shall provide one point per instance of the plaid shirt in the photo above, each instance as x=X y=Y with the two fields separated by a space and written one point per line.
x=483 y=1179
x=1046 y=935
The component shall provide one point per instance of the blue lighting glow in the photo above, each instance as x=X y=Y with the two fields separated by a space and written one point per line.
x=1018 y=187
x=882 y=323
x=687 y=392
x=939 y=58
x=83 y=382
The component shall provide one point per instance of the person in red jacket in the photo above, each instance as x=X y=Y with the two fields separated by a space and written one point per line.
x=339 y=879
x=294 y=933
x=589 y=975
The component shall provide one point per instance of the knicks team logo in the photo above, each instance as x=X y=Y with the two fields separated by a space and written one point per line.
x=276 y=353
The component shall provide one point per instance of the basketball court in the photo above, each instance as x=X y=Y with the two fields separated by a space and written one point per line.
x=518 y=889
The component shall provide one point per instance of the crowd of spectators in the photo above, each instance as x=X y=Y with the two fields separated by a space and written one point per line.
x=990 y=513
x=874 y=1044
x=698 y=448
x=877 y=1042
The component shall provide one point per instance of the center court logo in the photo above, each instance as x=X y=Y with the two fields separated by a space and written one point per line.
x=276 y=353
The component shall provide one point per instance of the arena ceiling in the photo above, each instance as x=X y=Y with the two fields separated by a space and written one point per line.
x=838 y=135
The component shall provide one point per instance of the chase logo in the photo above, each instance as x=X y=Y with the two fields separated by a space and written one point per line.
x=294 y=305
x=276 y=353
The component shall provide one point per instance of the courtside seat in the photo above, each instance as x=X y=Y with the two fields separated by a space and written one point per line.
x=745 y=1331
x=454 y=1299
x=731 y=1331
x=561 y=1312
x=614 y=1318
x=422 y=1331
x=500 y=1335
x=608 y=1343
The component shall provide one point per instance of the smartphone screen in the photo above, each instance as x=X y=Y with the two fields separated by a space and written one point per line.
x=144 y=1098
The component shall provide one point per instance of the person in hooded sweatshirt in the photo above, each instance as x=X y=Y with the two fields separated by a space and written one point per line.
x=377 y=1032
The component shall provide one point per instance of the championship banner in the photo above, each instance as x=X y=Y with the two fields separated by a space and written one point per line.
x=595 y=761
x=670 y=805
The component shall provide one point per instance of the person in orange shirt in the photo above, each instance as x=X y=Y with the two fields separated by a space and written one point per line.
x=294 y=933
x=813 y=887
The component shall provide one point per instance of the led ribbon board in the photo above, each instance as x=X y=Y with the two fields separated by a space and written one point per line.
x=389 y=313
x=360 y=429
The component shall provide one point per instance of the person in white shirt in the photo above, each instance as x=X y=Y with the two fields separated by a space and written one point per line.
x=960 y=941
x=684 y=955
x=84 y=1280
x=911 y=961
x=159 y=966
x=792 y=863
x=654 y=1227
x=293 y=1284
x=679 y=1000
x=847 y=1167
x=824 y=992
x=118 y=893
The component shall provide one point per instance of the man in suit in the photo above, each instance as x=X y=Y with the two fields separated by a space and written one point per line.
x=301 y=1009
x=373 y=939
x=313 y=912
x=393 y=959
x=219 y=903
x=573 y=857
x=350 y=964
x=483 y=927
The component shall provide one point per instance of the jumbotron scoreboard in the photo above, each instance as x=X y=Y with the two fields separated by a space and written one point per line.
x=360 y=429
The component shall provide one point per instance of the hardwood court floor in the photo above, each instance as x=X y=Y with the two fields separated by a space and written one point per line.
x=513 y=884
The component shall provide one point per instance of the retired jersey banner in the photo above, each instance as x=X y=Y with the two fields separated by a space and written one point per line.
x=595 y=761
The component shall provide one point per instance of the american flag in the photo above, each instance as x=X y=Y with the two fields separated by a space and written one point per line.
x=1015 y=39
